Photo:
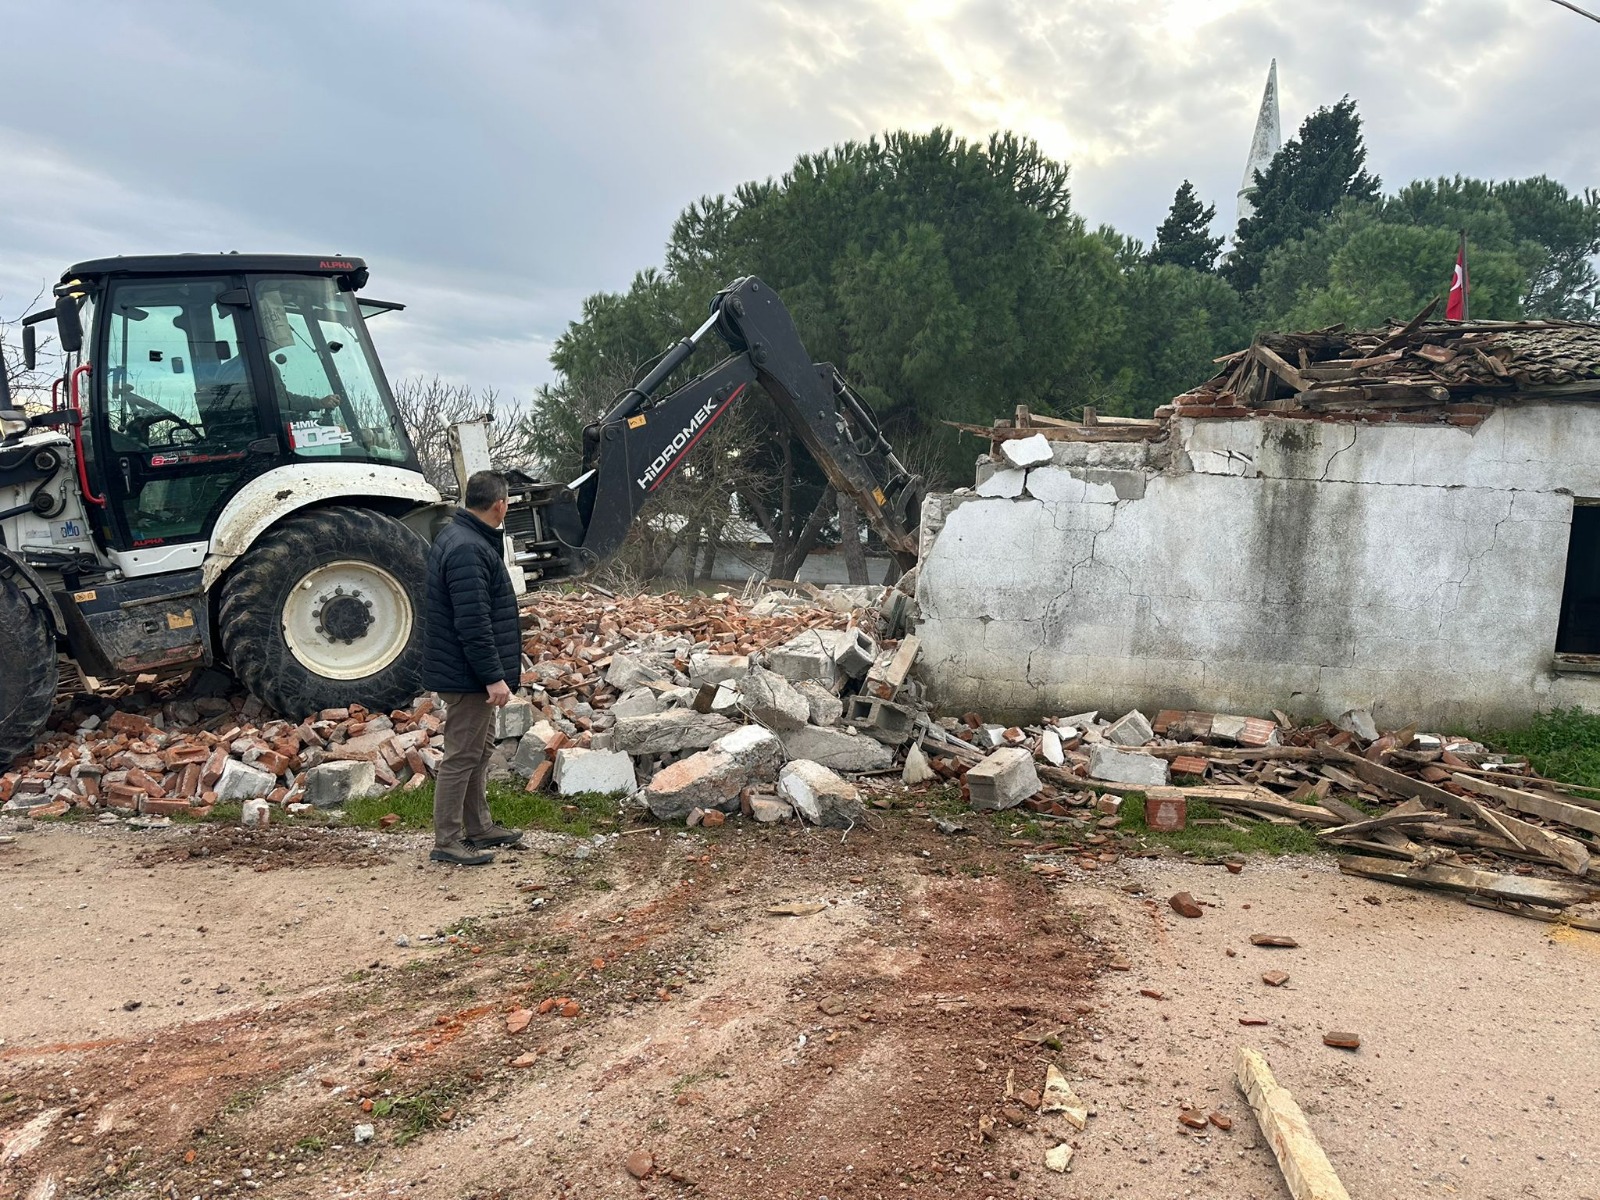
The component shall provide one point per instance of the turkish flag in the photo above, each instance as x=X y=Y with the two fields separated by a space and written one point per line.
x=1455 y=308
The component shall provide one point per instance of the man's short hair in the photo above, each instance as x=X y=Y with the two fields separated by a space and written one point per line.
x=485 y=489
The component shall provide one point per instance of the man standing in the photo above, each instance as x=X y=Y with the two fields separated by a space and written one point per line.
x=472 y=657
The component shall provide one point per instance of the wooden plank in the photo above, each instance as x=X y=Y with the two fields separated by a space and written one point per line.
x=1261 y=800
x=1392 y=839
x=1524 y=889
x=1273 y=362
x=1389 y=779
x=1374 y=823
x=1590 y=923
x=894 y=675
x=1534 y=805
x=1306 y=1169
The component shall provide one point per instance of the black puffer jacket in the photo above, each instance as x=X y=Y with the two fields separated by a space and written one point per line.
x=472 y=637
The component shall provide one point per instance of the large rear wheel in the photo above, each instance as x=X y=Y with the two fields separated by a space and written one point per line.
x=326 y=611
x=28 y=681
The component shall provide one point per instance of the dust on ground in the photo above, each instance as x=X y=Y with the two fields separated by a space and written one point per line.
x=849 y=1050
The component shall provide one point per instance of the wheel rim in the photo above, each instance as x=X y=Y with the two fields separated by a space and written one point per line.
x=347 y=619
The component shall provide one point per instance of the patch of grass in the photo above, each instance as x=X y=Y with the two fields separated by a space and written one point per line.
x=220 y=814
x=580 y=815
x=946 y=801
x=684 y=1082
x=427 y=1109
x=1563 y=744
x=1213 y=840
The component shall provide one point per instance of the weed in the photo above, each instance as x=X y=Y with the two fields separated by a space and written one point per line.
x=1563 y=744
x=1210 y=840
x=602 y=885
x=314 y=1144
x=684 y=1082
x=946 y=801
x=420 y=1112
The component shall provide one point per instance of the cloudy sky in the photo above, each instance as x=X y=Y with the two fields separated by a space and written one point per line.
x=497 y=160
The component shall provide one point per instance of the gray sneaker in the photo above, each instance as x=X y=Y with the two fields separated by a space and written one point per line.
x=495 y=835
x=461 y=854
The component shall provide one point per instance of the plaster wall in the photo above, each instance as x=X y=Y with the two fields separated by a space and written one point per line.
x=1244 y=565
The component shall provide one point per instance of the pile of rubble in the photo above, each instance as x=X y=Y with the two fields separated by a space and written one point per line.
x=1434 y=812
x=604 y=676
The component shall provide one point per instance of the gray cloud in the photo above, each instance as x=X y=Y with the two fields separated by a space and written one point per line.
x=497 y=161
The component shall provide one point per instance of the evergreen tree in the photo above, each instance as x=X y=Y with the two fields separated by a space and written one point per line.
x=1184 y=238
x=1302 y=185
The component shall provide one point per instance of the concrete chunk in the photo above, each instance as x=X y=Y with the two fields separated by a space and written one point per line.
x=826 y=708
x=714 y=777
x=629 y=669
x=1003 y=780
x=1130 y=729
x=772 y=700
x=707 y=668
x=837 y=749
x=809 y=655
x=579 y=770
x=1050 y=747
x=638 y=702
x=1005 y=484
x=1119 y=766
x=854 y=652
x=513 y=720
x=241 y=782
x=668 y=732
x=1027 y=452
x=819 y=795
x=334 y=784
x=769 y=812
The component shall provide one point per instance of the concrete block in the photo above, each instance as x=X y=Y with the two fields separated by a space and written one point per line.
x=1003 y=780
x=716 y=668
x=809 y=655
x=837 y=749
x=1005 y=484
x=579 y=770
x=1119 y=766
x=826 y=708
x=854 y=652
x=769 y=812
x=513 y=720
x=892 y=724
x=772 y=700
x=714 y=777
x=725 y=701
x=531 y=749
x=241 y=782
x=1130 y=729
x=638 y=702
x=669 y=732
x=256 y=813
x=1027 y=452
x=333 y=784
x=630 y=668
x=819 y=795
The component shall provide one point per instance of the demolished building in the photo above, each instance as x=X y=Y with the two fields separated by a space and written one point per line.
x=1405 y=521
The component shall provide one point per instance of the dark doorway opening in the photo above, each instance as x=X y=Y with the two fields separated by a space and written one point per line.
x=1579 y=631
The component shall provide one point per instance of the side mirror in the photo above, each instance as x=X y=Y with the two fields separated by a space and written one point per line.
x=30 y=347
x=69 y=326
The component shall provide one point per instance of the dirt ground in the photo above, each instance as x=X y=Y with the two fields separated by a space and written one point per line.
x=181 y=1021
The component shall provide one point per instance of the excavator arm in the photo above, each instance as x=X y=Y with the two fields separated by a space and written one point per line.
x=635 y=448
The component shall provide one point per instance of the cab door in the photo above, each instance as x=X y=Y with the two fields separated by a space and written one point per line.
x=180 y=425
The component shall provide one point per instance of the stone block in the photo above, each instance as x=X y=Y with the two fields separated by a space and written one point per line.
x=241 y=782
x=772 y=700
x=1119 y=766
x=513 y=719
x=769 y=812
x=333 y=784
x=1130 y=729
x=1027 y=452
x=669 y=732
x=1003 y=780
x=593 y=771
x=713 y=778
x=819 y=795
x=837 y=749
x=826 y=708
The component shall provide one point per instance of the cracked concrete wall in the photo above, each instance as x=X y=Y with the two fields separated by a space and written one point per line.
x=1245 y=565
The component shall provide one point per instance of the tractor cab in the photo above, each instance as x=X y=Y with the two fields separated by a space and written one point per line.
x=190 y=375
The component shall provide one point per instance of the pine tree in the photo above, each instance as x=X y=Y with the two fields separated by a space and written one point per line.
x=1301 y=187
x=1183 y=239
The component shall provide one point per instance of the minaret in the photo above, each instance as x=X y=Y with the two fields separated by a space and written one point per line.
x=1263 y=146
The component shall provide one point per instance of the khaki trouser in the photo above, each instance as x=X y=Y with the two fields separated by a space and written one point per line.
x=460 y=804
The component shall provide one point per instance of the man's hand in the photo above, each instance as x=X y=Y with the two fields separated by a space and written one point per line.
x=499 y=694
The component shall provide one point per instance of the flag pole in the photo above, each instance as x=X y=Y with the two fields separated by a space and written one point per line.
x=1466 y=291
